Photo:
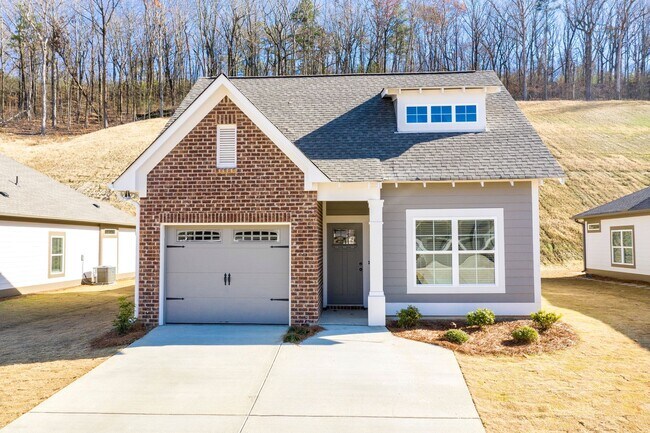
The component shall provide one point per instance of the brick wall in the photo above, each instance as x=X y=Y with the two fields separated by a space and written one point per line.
x=186 y=187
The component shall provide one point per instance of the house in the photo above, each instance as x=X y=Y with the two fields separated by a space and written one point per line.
x=267 y=199
x=616 y=237
x=52 y=236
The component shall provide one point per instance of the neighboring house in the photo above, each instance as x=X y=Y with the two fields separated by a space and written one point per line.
x=52 y=236
x=616 y=237
x=265 y=199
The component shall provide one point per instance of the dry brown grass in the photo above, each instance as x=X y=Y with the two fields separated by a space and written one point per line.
x=45 y=343
x=113 y=339
x=491 y=340
x=603 y=148
x=600 y=385
x=87 y=162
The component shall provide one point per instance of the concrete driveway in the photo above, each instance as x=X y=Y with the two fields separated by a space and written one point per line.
x=229 y=378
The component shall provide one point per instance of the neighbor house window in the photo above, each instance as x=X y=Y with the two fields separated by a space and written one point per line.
x=416 y=114
x=441 y=114
x=256 y=236
x=226 y=146
x=622 y=246
x=465 y=113
x=57 y=255
x=593 y=227
x=455 y=251
x=198 y=236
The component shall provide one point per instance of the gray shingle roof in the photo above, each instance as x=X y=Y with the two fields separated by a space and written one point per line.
x=39 y=196
x=635 y=202
x=344 y=126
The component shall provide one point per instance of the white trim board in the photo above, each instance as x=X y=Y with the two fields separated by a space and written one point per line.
x=134 y=178
x=461 y=309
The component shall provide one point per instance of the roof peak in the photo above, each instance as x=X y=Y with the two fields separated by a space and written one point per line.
x=359 y=74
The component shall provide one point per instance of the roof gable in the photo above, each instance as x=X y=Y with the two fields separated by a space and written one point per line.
x=202 y=99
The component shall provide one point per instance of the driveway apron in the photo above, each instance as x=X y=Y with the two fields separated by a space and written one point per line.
x=238 y=378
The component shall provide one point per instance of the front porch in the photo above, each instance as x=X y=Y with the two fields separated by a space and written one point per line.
x=353 y=256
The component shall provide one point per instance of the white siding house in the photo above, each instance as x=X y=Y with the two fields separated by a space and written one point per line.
x=617 y=238
x=52 y=237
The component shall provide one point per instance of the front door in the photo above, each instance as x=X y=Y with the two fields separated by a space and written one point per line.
x=344 y=264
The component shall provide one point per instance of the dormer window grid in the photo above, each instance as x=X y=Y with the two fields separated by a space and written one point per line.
x=441 y=114
x=417 y=114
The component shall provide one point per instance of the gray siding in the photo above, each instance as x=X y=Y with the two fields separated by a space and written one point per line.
x=517 y=204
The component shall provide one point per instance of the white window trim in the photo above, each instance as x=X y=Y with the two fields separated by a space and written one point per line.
x=454 y=215
x=221 y=164
x=621 y=247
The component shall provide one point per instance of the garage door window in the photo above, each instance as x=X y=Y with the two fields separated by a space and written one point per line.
x=256 y=236
x=198 y=236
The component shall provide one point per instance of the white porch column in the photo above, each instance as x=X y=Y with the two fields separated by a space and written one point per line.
x=376 y=299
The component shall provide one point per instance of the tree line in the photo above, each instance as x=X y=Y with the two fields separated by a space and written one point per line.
x=82 y=63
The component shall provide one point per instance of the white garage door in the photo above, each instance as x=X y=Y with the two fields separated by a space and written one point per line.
x=227 y=274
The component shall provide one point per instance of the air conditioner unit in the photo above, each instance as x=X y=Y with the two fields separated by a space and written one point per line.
x=104 y=274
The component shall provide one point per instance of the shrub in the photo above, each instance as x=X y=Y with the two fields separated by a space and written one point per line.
x=481 y=317
x=545 y=319
x=125 y=320
x=408 y=317
x=525 y=334
x=457 y=336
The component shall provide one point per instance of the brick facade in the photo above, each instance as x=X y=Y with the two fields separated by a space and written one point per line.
x=186 y=187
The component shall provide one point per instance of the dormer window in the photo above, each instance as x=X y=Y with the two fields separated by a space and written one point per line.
x=458 y=109
x=441 y=114
x=465 y=113
x=416 y=114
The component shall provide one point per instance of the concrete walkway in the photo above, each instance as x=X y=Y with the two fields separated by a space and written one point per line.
x=234 y=379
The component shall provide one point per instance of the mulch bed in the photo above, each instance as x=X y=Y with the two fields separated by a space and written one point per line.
x=113 y=339
x=491 y=340
x=298 y=334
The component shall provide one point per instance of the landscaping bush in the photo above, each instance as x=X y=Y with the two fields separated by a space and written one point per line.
x=545 y=319
x=125 y=316
x=481 y=317
x=525 y=334
x=408 y=317
x=457 y=336
x=297 y=334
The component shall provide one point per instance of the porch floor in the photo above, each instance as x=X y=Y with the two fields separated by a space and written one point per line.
x=344 y=317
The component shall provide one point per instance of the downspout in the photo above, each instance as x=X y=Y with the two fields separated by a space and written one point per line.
x=126 y=196
x=584 y=246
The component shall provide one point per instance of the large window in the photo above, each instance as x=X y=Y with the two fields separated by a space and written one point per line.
x=441 y=114
x=622 y=246
x=465 y=113
x=455 y=251
x=416 y=114
x=57 y=255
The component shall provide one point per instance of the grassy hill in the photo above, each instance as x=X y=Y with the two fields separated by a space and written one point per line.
x=604 y=147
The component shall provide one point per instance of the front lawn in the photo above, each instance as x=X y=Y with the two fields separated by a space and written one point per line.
x=600 y=385
x=45 y=343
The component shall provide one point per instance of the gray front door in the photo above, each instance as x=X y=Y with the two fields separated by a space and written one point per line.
x=344 y=264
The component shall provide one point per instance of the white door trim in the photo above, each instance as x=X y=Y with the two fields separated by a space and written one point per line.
x=365 y=234
x=162 y=270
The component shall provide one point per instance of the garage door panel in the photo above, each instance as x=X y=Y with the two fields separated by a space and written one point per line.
x=227 y=310
x=259 y=279
x=196 y=259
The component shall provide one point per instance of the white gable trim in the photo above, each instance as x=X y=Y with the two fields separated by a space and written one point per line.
x=134 y=178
